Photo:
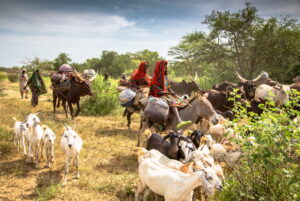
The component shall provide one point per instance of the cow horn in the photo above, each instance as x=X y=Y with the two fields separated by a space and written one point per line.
x=261 y=77
x=240 y=77
x=78 y=76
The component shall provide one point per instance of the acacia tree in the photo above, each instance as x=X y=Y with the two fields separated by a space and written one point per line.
x=241 y=41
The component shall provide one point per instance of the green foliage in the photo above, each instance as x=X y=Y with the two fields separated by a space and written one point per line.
x=269 y=168
x=3 y=76
x=241 y=41
x=48 y=192
x=37 y=63
x=62 y=58
x=13 y=77
x=104 y=100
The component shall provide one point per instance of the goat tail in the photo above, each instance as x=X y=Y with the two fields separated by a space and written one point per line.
x=14 y=118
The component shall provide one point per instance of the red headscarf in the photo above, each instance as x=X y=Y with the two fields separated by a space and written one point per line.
x=140 y=74
x=158 y=80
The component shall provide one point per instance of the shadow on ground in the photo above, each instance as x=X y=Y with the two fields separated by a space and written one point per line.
x=119 y=164
x=131 y=134
x=18 y=168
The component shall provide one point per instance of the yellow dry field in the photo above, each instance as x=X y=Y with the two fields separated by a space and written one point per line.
x=108 y=164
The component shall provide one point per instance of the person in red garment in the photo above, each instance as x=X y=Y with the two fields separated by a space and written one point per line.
x=140 y=79
x=160 y=88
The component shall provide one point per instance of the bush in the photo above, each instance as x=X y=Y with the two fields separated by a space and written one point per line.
x=3 y=76
x=105 y=100
x=269 y=169
x=13 y=77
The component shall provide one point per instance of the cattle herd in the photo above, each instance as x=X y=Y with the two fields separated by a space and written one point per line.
x=184 y=164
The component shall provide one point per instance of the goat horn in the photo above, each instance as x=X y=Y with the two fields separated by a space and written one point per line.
x=243 y=80
x=66 y=126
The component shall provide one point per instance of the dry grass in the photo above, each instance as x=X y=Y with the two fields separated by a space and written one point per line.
x=108 y=165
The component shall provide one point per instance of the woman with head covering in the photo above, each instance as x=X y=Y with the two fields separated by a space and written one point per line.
x=160 y=88
x=37 y=87
x=140 y=79
x=23 y=78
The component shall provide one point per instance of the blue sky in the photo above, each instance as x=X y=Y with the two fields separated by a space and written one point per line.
x=83 y=29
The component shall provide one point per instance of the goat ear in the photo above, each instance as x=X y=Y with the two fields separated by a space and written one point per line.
x=140 y=150
x=197 y=167
x=186 y=167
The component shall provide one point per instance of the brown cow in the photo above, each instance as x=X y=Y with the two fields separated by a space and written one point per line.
x=183 y=87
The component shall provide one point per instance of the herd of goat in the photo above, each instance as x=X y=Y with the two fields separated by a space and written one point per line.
x=176 y=166
x=40 y=138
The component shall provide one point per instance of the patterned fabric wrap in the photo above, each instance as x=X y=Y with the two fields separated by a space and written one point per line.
x=158 y=80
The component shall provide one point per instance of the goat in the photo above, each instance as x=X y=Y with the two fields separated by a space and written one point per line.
x=196 y=137
x=164 y=160
x=48 y=141
x=34 y=137
x=71 y=144
x=172 y=184
x=19 y=135
x=173 y=149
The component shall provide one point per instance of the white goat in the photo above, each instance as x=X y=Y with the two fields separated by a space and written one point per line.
x=34 y=137
x=71 y=144
x=19 y=135
x=172 y=184
x=48 y=142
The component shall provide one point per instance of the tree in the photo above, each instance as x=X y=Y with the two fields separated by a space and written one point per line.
x=62 y=58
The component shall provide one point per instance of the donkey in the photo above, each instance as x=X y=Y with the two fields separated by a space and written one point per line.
x=199 y=107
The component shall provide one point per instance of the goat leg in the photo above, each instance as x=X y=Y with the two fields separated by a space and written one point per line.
x=37 y=156
x=66 y=171
x=140 y=189
x=77 y=167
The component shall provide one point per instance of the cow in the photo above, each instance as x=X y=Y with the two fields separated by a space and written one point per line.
x=183 y=87
x=278 y=94
x=78 y=87
x=219 y=100
x=249 y=86
x=224 y=86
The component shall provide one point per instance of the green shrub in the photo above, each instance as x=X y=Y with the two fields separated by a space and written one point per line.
x=269 y=169
x=105 y=98
x=13 y=77
x=3 y=76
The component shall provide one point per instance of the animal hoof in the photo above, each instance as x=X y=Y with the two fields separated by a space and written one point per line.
x=64 y=183
x=77 y=176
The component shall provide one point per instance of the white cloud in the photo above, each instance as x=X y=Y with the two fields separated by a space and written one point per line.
x=49 y=22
